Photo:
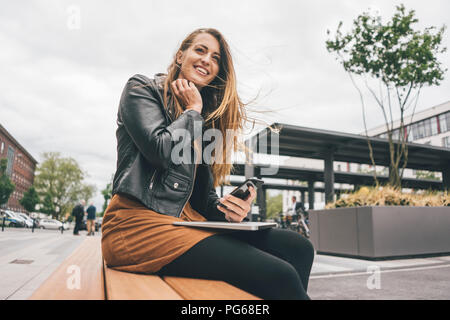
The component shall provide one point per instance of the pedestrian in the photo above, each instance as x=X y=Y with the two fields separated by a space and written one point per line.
x=297 y=208
x=91 y=219
x=154 y=186
x=78 y=214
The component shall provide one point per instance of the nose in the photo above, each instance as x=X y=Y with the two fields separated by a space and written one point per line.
x=206 y=59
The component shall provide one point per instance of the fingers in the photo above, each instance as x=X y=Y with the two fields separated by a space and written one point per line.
x=231 y=215
x=236 y=209
x=174 y=88
x=182 y=85
x=235 y=204
x=252 y=195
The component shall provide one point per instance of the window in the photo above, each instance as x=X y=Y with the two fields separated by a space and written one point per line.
x=414 y=131
x=10 y=160
x=2 y=147
x=444 y=122
x=434 y=127
x=427 y=127
x=446 y=142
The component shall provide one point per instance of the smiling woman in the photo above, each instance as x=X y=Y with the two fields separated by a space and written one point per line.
x=152 y=189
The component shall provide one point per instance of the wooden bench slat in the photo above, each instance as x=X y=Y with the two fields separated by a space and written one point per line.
x=131 y=286
x=98 y=282
x=200 y=289
x=85 y=261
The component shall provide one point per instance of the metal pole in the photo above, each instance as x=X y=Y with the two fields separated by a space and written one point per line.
x=32 y=228
x=329 y=177
x=3 y=224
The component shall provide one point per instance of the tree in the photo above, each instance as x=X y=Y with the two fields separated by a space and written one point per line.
x=6 y=185
x=30 y=199
x=274 y=206
x=401 y=61
x=59 y=182
x=87 y=191
x=48 y=205
x=107 y=194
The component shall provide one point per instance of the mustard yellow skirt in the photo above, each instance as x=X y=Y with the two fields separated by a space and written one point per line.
x=136 y=239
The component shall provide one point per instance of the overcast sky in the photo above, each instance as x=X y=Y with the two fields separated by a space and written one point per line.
x=62 y=73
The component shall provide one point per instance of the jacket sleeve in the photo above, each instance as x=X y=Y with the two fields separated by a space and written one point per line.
x=141 y=114
x=213 y=214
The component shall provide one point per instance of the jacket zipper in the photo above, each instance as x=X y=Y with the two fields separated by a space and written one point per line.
x=153 y=178
x=190 y=193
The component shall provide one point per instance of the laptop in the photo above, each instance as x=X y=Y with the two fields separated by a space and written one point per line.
x=249 y=226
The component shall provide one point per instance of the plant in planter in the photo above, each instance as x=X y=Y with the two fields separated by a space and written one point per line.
x=390 y=196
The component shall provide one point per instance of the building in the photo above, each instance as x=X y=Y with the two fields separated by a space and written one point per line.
x=20 y=169
x=430 y=126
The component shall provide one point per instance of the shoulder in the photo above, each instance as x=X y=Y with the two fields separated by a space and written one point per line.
x=142 y=85
x=140 y=81
x=157 y=82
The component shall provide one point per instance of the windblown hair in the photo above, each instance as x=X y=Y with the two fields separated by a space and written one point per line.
x=222 y=107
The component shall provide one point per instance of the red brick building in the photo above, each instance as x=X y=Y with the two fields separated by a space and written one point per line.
x=20 y=169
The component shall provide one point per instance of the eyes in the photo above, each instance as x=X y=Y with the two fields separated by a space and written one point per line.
x=202 y=51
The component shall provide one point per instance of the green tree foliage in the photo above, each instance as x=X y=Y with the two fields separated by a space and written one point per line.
x=59 y=183
x=274 y=206
x=87 y=191
x=6 y=185
x=107 y=194
x=401 y=60
x=30 y=199
x=48 y=205
x=422 y=174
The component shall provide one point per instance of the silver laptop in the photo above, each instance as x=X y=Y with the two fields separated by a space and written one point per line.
x=249 y=226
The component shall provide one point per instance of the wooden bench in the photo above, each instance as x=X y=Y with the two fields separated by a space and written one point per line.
x=84 y=276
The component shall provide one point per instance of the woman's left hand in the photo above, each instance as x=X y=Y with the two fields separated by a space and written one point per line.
x=237 y=209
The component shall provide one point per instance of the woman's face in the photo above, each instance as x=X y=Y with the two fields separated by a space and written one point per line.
x=200 y=62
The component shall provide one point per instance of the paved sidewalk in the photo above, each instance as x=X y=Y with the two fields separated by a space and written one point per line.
x=338 y=278
x=27 y=259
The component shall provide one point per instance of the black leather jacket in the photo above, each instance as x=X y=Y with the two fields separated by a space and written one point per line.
x=145 y=170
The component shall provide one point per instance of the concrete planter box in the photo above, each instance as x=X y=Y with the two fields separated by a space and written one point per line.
x=381 y=232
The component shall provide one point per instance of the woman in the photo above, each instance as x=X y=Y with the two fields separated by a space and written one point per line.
x=152 y=188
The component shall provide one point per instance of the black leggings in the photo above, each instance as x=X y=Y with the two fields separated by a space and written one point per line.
x=271 y=263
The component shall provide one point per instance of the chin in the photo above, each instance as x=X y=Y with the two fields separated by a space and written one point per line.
x=198 y=84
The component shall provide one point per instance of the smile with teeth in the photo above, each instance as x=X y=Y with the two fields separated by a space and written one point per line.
x=202 y=71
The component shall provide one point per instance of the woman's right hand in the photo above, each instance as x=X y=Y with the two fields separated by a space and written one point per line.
x=188 y=93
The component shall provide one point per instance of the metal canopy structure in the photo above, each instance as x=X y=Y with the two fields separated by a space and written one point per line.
x=315 y=175
x=330 y=146
x=296 y=141
x=305 y=174
x=261 y=199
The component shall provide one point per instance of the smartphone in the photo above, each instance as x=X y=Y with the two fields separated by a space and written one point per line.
x=242 y=192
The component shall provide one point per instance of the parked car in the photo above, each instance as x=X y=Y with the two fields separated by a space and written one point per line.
x=98 y=223
x=6 y=220
x=14 y=221
x=66 y=225
x=50 y=224
x=28 y=220
x=19 y=217
x=83 y=224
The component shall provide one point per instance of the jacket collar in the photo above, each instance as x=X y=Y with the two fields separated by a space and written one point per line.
x=159 y=81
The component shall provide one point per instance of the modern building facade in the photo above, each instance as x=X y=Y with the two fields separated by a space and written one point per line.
x=21 y=168
x=430 y=126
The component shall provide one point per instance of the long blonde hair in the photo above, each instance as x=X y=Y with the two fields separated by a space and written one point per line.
x=222 y=107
